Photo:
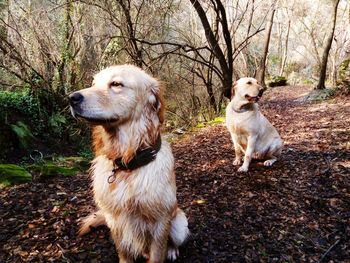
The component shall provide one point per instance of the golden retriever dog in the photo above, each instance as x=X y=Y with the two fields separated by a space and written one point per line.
x=252 y=134
x=133 y=175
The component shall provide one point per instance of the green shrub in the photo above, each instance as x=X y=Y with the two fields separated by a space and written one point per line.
x=23 y=133
x=343 y=70
x=40 y=122
x=307 y=81
x=277 y=81
x=57 y=123
x=17 y=106
x=21 y=120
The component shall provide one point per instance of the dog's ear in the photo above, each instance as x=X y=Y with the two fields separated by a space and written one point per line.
x=157 y=102
x=230 y=93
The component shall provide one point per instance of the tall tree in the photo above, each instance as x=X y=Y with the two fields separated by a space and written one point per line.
x=225 y=60
x=260 y=75
x=225 y=57
x=323 y=66
x=285 y=52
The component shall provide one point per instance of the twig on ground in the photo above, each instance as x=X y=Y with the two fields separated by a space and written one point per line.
x=329 y=250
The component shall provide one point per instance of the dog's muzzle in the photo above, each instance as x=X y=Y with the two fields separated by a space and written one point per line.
x=76 y=100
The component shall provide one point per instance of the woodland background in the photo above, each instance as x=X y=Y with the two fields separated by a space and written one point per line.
x=49 y=48
x=295 y=211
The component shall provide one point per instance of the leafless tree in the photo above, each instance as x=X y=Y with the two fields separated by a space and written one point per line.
x=225 y=57
x=323 y=66
x=260 y=76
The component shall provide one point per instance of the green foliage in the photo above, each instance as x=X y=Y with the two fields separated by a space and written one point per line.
x=86 y=153
x=277 y=81
x=25 y=116
x=13 y=174
x=220 y=119
x=59 y=165
x=344 y=69
x=307 y=81
x=22 y=103
x=200 y=125
x=21 y=120
x=216 y=120
x=275 y=60
x=23 y=133
x=57 y=123
x=321 y=95
x=52 y=169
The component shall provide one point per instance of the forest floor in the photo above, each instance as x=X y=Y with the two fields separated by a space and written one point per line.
x=295 y=211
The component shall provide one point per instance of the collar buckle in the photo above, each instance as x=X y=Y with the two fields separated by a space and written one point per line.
x=113 y=176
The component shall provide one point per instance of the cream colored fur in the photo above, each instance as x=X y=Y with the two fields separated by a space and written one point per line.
x=139 y=206
x=252 y=134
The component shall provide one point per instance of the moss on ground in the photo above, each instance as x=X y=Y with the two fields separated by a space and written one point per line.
x=11 y=174
x=50 y=169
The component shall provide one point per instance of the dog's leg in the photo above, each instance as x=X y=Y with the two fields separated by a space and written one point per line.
x=158 y=249
x=124 y=258
x=272 y=155
x=248 y=154
x=93 y=220
x=238 y=152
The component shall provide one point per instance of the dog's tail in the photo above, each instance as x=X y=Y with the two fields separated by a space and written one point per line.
x=179 y=228
x=178 y=233
x=93 y=220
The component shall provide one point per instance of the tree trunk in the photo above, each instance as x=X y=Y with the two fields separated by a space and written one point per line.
x=260 y=75
x=323 y=66
x=225 y=62
x=284 y=57
x=61 y=88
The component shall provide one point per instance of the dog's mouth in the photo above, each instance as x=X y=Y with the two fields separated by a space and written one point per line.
x=256 y=98
x=93 y=120
x=252 y=99
x=97 y=121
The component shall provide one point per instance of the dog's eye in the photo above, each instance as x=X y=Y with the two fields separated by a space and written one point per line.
x=116 y=84
x=249 y=83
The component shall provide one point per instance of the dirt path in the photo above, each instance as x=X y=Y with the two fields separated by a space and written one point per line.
x=296 y=211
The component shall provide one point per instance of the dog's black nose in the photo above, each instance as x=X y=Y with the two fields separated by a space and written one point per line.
x=75 y=98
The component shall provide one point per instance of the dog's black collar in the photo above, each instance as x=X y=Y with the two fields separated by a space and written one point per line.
x=245 y=108
x=141 y=158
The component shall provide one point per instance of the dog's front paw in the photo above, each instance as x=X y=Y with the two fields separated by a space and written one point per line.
x=269 y=162
x=173 y=253
x=243 y=169
x=237 y=162
x=91 y=221
x=84 y=228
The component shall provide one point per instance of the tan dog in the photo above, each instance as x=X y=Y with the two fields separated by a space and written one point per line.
x=133 y=170
x=252 y=134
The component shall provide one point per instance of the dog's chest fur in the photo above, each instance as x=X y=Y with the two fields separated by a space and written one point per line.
x=133 y=190
x=241 y=123
x=139 y=204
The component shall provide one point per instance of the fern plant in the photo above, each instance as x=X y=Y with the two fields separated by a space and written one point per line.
x=23 y=133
